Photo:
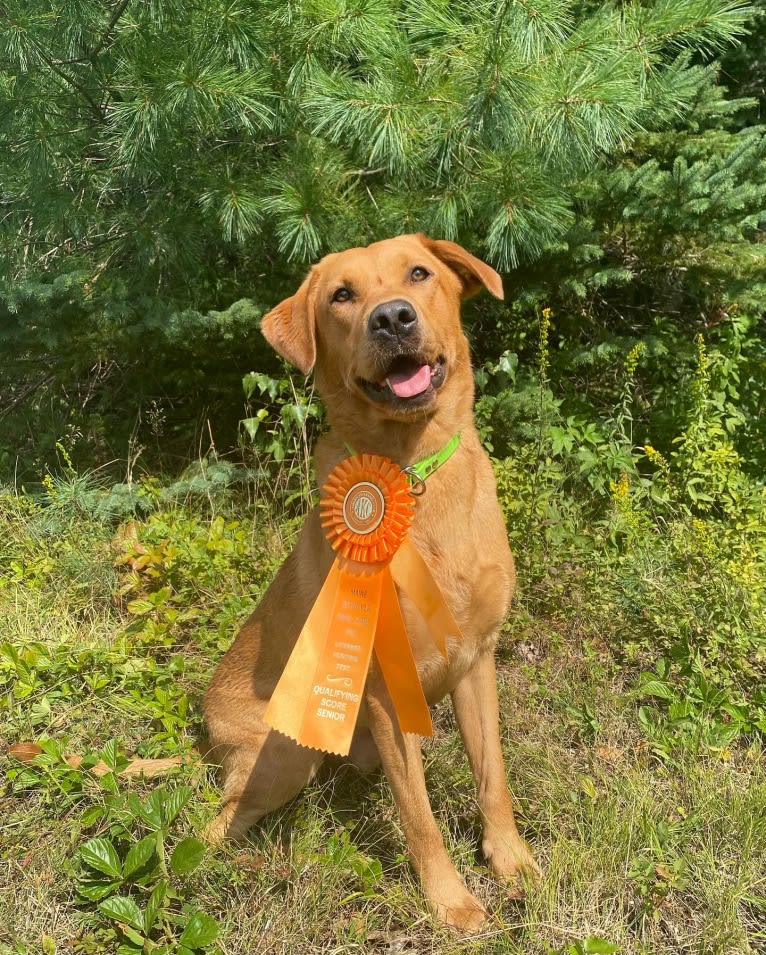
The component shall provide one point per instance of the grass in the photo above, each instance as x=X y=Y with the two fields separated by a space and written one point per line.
x=651 y=844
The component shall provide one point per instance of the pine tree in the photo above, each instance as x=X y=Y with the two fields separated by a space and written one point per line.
x=165 y=158
x=143 y=133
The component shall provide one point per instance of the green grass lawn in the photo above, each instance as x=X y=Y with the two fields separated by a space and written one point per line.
x=650 y=826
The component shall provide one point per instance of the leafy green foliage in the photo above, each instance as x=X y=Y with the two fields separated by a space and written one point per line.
x=671 y=550
x=125 y=869
x=284 y=434
x=165 y=587
x=172 y=585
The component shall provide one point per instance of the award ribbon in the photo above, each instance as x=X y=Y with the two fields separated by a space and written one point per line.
x=366 y=509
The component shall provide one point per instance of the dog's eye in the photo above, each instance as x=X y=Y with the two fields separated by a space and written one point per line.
x=419 y=274
x=341 y=295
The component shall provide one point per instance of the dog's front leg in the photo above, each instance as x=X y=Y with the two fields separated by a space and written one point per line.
x=402 y=761
x=476 y=708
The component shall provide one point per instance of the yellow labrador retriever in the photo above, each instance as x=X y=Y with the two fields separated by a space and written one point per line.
x=380 y=327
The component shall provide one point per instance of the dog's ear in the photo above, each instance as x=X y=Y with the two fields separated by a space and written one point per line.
x=290 y=327
x=473 y=273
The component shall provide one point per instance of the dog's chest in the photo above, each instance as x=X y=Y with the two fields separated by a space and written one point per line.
x=467 y=553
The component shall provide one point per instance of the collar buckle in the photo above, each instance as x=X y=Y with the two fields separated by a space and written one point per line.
x=418 y=484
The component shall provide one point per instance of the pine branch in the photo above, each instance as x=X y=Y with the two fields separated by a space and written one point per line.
x=69 y=80
x=106 y=36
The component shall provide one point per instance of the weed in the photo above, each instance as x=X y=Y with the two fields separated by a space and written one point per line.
x=134 y=878
x=593 y=945
x=281 y=433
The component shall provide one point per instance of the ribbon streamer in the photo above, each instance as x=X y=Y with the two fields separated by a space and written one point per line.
x=366 y=510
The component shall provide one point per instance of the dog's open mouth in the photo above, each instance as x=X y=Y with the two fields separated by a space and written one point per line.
x=408 y=382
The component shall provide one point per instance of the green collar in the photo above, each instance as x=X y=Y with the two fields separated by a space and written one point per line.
x=419 y=471
x=422 y=469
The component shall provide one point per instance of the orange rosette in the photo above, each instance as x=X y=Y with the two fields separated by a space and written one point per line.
x=366 y=508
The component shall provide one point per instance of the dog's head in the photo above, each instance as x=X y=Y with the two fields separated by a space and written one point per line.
x=382 y=323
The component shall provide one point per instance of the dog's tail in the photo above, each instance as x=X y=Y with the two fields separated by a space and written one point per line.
x=149 y=768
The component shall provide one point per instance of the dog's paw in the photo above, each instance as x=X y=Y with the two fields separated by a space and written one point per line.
x=510 y=859
x=458 y=909
x=468 y=918
x=230 y=825
x=216 y=831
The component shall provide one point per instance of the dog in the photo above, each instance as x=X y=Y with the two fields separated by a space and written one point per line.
x=380 y=328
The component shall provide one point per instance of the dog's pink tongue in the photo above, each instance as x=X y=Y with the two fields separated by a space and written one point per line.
x=407 y=384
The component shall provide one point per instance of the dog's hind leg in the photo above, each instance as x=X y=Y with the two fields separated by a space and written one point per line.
x=476 y=708
x=258 y=779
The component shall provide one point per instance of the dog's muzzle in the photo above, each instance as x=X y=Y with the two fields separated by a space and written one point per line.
x=409 y=377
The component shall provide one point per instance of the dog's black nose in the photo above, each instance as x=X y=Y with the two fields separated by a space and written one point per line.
x=395 y=319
